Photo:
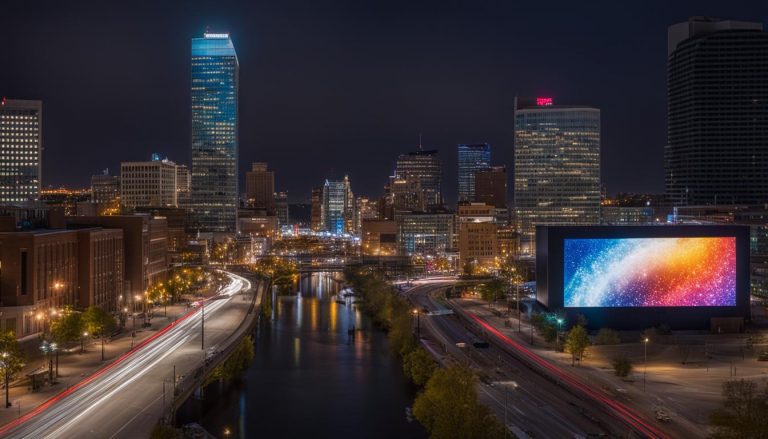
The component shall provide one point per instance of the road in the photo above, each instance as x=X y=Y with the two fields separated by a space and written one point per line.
x=125 y=399
x=539 y=402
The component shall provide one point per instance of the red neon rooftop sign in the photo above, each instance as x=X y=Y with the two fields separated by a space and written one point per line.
x=543 y=101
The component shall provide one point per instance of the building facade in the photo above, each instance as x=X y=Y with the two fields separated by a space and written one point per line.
x=557 y=167
x=21 y=147
x=378 y=237
x=215 y=71
x=426 y=233
x=472 y=158
x=426 y=169
x=491 y=186
x=148 y=184
x=316 y=210
x=260 y=187
x=101 y=269
x=105 y=188
x=717 y=115
x=338 y=207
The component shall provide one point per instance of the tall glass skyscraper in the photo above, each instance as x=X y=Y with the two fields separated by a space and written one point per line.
x=338 y=207
x=215 y=71
x=717 y=97
x=472 y=158
x=557 y=167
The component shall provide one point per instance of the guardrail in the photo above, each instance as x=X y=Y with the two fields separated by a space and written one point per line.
x=196 y=378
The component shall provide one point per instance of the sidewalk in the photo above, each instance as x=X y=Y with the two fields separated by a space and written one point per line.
x=74 y=366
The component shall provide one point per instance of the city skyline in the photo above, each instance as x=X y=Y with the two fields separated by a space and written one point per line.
x=299 y=103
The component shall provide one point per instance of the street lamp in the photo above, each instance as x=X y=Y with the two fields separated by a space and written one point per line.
x=559 y=328
x=418 y=322
x=6 y=367
x=46 y=348
x=82 y=342
x=55 y=349
x=645 y=359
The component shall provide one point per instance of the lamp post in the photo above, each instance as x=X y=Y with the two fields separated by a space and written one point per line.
x=46 y=348
x=645 y=360
x=6 y=367
x=82 y=342
x=101 y=330
x=559 y=328
x=416 y=313
x=202 y=327
x=55 y=349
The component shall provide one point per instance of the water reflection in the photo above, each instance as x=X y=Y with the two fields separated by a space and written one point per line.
x=313 y=375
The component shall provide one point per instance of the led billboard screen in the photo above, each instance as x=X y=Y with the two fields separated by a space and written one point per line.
x=649 y=272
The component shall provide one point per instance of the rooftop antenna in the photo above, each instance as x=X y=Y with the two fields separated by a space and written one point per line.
x=420 y=147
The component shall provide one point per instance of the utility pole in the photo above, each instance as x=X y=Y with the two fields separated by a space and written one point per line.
x=202 y=327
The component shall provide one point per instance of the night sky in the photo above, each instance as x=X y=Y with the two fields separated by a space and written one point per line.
x=329 y=88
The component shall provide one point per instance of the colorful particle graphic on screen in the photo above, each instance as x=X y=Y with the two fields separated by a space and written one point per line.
x=645 y=272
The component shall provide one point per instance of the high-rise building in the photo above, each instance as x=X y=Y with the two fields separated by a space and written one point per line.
x=105 y=188
x=148 y=184
x=365 y=209
x=215 y=71
x=425 y=167
x=472 y=158
x=717 y=97
x=281 y=207
x=426 y=233
x=183 y=185
x=316 y=210
x=338 y=207
x=557 y=166
x=260 y=187
x=491 y=186
x=21 y=150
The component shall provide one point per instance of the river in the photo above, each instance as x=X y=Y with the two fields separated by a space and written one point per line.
x=310 y=377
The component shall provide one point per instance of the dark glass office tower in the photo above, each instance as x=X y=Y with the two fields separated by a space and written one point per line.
x=472 y=158
x=717 y=91
x=424 y=168
x=214 y=132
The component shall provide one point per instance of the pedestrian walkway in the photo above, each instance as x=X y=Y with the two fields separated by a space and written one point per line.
x=74 y=366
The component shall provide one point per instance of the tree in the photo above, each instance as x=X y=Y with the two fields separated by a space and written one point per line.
x=68 y=327
x=493 y=289
x=448 y=407
x=607 y=336
x=469 y=267
x=97 y=321
x=577 y=343
x=237 y=363
x=14 y=357
x=744 y=413
x=419 y=366
x=622 y=366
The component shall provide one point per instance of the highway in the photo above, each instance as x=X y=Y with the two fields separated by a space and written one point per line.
x=540 y=401
x=125 y=399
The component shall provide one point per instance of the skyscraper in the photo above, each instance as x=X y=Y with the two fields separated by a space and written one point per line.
x=316 y=215
x=717 y=97
x=338 y=207
x=557 y=166
x=21 y=150
x=215 y=72
x=491 y=186
x=425 y=167
x=260 y=187
x=472 y=158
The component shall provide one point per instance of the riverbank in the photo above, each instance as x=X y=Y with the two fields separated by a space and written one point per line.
x=312 y=375
x=447 y=403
